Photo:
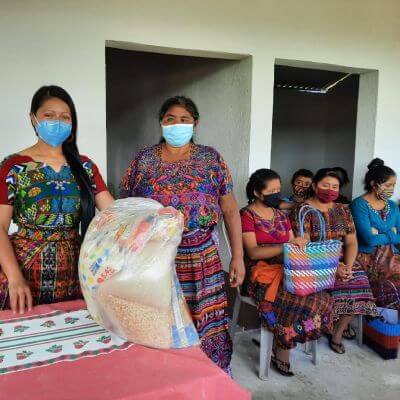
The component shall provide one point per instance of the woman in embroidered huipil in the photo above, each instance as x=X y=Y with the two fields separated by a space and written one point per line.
x=48 y=190
x=351 y=294
x=377 y=220
x=195 y=180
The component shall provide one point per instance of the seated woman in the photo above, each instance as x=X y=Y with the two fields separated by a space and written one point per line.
x=351 y=294
x=344 y=177
x=292 y=319
x=301 y=184
x=377 y=221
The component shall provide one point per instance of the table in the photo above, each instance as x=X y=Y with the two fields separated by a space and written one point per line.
x=138 y=373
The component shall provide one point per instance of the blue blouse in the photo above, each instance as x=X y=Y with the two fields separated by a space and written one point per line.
x=367 y=219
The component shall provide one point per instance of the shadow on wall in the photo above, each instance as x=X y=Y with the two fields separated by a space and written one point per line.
x=139 y=82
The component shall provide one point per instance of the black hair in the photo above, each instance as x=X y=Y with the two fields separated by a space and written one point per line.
x=70 y=151
x=343 y=175
x=378 y=173
x=182 y=101
x=327 y=172
x=259 y=181
x=302 y=172
x=188 y=104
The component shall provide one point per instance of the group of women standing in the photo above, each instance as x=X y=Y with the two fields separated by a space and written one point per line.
x=51 y=192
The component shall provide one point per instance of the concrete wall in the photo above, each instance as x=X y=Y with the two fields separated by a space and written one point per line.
x=366 y=124
x=63 y=42
x=138 y=83
x=314 y=131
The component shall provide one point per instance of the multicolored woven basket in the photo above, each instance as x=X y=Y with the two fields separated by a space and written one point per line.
x=313 y=268
x=383 y=338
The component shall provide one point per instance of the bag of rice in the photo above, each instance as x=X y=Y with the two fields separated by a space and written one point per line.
x=128 y=278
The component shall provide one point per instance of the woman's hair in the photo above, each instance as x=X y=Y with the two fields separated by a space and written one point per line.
x=327 y=172
x=378 y=173
x=70 y=151
x=344 y=176
x=259 y=181
x=302 y=172
x=182 y=101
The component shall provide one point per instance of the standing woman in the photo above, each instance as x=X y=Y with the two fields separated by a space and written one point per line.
x=377 y=220
x=351 y=294
x=195 y=180
x=48 y=190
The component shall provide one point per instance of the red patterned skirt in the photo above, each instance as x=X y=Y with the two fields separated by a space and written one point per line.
x=201 y=276
x=353 y=297
x=49 y=262
x=383 y=271
x=291 y=318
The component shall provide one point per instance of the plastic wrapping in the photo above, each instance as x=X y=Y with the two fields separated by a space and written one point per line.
x=128 y=278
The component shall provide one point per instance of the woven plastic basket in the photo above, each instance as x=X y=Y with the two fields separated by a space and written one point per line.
x=313 y=268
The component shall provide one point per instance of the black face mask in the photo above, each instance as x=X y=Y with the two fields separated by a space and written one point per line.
x=272 y=200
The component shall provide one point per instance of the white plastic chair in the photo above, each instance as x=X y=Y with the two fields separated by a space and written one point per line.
x=266 y=338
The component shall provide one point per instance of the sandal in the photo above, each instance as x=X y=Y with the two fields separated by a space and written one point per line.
x=336 y=347
x=349 y=333
x=281 y=366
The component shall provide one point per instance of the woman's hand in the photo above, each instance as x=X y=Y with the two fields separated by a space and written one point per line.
x=20 y=295
x=236 y=272
x=374 y=231
x=344 y=272
x=300 y=242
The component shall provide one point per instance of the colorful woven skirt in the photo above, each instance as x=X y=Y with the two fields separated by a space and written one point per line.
x=386 y=289
x=49 y=262
x=291 y=318
x=354 y=297
x=201 y=275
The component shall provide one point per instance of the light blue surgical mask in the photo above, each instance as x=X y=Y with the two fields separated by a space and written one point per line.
x=177 y=135
x=53 y=132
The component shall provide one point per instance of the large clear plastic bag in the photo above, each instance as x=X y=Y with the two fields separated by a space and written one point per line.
x=128 y=278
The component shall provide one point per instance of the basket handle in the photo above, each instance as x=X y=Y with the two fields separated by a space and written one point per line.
x=303 y=212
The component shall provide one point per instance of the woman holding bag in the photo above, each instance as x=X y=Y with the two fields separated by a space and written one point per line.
x=292 y=319
x=351 y=294
x=196 y=181
x=50 y=191
x=377 y=220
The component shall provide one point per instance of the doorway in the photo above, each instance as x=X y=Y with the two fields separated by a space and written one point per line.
x=314 y=121
x=138 y=82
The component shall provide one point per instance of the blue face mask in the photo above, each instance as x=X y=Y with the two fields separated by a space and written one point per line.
x=177 y=135
x=53 y=132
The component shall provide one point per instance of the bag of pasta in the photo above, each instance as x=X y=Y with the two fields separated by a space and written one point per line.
x=128 y=278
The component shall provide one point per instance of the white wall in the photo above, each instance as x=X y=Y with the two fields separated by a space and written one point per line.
x=63 y=42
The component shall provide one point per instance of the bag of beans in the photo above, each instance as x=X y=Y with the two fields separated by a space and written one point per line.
x=128 y=278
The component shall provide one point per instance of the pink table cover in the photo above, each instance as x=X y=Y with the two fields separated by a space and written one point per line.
x=138 y=373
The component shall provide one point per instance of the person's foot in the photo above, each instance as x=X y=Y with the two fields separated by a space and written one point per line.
x=349 y=333
x=336 y=347
x=281 y=366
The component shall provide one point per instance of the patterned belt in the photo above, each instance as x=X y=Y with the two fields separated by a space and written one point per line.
x=197 y=236
x=42 y=234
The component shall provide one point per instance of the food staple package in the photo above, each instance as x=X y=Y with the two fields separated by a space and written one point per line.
x=128 y=278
